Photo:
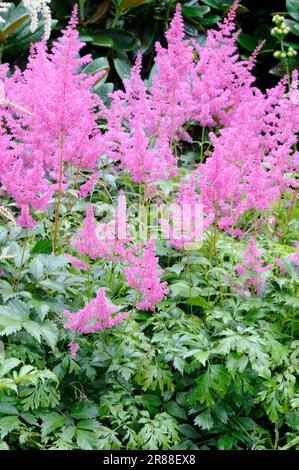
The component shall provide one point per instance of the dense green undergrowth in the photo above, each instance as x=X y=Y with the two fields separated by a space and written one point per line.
x=209 y=369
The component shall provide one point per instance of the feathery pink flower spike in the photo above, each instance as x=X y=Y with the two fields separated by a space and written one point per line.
x=95 y=316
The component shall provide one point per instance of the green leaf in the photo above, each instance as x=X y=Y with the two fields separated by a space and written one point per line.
x=103 y=91
x=52 y=285
x=21 y=38
x=130 y=4
x=123 y=67
x=188 y=431
x=8 y=384
x=211 y=20
x=8 y=424
x=115 y=38
x=83 y=411
x=101 y=40
x=29 y=418
x=248 y=42
x=195 y=11
x=176 y=268
x=151 y=401
x=212 y=3
x=182 y=289
x=8 y=365
x=3 y=445
x=14 y=17
x=225 y=442
x=293 y=8
x=294 y=45
x=204 y=420
x=49 y=332
x=198 y=301
x=36 y=268
x=68 y=433
x=50 y=422
x=12 y=317
x=293 y=25
x=6 y=290
x=6 y=409
x=33 y=329
x=86 y=440
x=215 y=379
x=175 y=410
x=42 y=246
x=292 y=420
x=98 y=65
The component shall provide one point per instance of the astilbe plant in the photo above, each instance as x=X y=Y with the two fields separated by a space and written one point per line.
x=220 y=80
x=254 y=147
x=55 y=123
x=131 y=137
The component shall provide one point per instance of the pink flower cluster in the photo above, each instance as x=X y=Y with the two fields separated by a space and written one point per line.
x=252 y=268
x=294 y=257
x=107 y=240
x=253 y=149
x=143 y=273
x=50 y=110
x=95 y=316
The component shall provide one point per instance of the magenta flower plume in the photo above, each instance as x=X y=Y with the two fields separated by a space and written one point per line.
x=95 y=316
x=87 y=242
x=74 y=347
x=252 y=267
x=143 y=273
x=77 y=262
x=294 y=257
x=51 y=111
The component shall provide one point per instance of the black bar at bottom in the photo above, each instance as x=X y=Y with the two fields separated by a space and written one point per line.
x=136 y=459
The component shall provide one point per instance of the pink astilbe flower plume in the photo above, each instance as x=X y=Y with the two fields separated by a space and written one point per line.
x=74 y=348
x=77 y=262
x=133 y=138
x=294 y=257
x=95 y=316
x=105 y=240
x=87 y=242
x=88 y=187
x=171 y=89
x=53 y=117
x=252 y=268
x=143 y=273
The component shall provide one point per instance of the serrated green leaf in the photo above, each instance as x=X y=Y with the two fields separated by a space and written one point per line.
x=8 y=424
x=175 y=410
x=8 y=365
x=50 y=422
x=204 y=420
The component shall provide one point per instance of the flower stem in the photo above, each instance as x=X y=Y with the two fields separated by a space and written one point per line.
x=58 y=195
x=22 y=258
